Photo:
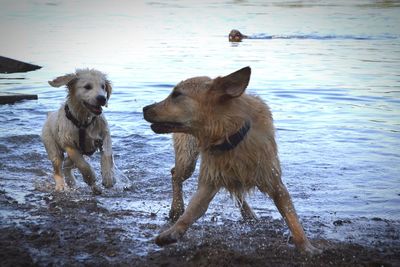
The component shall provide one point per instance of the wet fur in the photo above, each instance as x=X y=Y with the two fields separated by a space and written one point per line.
x=204 y=112
x=60 y=135
x=236 y=36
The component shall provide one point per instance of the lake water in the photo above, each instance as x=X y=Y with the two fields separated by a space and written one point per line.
x=332 y=81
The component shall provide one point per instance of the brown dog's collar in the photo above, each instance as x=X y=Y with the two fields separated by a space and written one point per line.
x=234 y=140
x=77 y=123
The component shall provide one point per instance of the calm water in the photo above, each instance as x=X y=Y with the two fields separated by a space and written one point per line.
x=332 y=84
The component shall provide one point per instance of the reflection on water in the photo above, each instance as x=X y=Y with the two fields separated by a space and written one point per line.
x=335 y=100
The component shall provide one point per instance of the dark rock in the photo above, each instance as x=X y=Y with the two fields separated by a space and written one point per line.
x=10 y=98
x=9 y=65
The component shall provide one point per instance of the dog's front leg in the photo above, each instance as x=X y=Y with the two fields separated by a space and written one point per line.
x=186 y=155
x=196 y=208
x=86 y=170
x=177 y=205
x=107 y=163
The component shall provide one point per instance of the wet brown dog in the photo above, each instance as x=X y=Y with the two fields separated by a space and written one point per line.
x=235 y=135
x=236 y=36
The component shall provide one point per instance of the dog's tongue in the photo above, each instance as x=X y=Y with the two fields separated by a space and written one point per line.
x=97 y=110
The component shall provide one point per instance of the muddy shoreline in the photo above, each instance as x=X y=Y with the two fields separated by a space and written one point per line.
x=66 y=229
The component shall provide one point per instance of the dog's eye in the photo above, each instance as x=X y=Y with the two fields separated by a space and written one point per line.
x=103 y=86
x=175 y=94
x=88 y=86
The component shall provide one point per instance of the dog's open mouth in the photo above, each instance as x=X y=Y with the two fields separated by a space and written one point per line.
x=168 y=127
x=93 y=108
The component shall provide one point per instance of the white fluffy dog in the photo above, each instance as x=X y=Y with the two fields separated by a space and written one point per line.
x=79 y=128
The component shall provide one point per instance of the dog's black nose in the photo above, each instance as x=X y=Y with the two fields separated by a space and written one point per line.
x=101 y=99
x=148 y=112
x=147 y=108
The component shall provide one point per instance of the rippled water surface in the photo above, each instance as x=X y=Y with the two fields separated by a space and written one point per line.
x=331 y=79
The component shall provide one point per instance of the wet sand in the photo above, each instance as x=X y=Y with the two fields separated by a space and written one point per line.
x=73 y=230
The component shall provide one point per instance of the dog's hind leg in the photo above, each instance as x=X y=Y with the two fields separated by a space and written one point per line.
x=56 y=156
x=86 y=170
x=68 y=173
x=283 y=202
x=186 y=155
x=245 y=210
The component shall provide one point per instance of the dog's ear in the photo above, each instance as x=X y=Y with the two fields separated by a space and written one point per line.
x=108 y=89
x=63 y=80
x=232 y=85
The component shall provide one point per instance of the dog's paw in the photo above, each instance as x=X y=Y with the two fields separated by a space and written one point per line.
x=108 y=183
x=167 y=237
x=70 y=181
x=61 y=187
x=108 y=180
x=96 y=190
x=309 y=249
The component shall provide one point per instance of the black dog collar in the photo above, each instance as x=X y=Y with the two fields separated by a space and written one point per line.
x=82 y=132
x=232 y=141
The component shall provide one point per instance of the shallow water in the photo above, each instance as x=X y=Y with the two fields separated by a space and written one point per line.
x=332 y=83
